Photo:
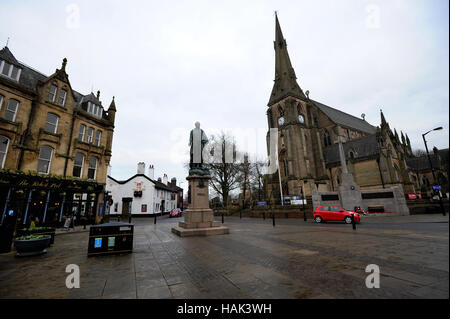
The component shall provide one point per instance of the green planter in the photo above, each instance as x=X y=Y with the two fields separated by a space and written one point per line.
x=38 y=231
x=31 y=245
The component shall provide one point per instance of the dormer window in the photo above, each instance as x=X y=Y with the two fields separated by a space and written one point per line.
x=95 y=109
x=62 y=97
x=9 y=70
x=52 y=93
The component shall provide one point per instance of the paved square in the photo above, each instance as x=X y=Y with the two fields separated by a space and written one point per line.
x=256 y=260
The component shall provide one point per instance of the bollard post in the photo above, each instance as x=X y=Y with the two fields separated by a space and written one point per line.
x=222 y=218
x=264 y=215
x=273 y=219
x=353 y=222
x=154 y=222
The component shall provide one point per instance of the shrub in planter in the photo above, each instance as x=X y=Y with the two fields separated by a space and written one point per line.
x=38 y=231
x=31 y=245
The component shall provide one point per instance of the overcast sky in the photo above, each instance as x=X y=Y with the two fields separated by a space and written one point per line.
x=171 y=63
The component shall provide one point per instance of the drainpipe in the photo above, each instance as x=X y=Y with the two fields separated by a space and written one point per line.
x=70 y=141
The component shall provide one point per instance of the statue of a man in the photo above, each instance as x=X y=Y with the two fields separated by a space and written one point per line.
x=197 y=141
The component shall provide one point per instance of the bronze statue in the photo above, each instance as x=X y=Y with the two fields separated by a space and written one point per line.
x=197 y=142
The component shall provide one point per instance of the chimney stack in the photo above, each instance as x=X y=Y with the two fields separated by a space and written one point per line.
x=151 y=172
x=159 y=179
x=173 y=181
x=141 y=168
x=165 y=179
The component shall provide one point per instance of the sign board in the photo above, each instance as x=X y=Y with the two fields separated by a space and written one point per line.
x=264 y=203
x=67 y=222
x=298 y=202
x=100 y=210
x=111 y=241
x=98 y=243
x=10 y=212
x=436 y=187
x=412 y=196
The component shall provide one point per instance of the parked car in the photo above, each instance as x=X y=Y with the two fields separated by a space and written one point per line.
x=176 y=212
x=334 y=213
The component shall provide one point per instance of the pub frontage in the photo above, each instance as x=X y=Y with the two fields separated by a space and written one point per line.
x=48 y=200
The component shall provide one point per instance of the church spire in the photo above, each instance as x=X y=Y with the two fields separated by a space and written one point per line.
x=285 y=78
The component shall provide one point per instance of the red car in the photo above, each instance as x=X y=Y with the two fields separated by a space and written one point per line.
x=176 y=212
x=334 y=213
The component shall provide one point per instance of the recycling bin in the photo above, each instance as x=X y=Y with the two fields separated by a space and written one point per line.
x=110 y=238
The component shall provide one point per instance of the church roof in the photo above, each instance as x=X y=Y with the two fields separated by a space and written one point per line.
x=421 y=163
x=345 y=119
x=362 y=147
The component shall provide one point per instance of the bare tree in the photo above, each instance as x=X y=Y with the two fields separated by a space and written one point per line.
x=225 y=171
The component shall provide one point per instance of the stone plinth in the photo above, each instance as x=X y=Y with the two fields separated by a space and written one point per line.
x=349 y=192
x=199 y=218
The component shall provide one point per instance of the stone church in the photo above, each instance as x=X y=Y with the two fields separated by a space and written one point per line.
x=308 y=136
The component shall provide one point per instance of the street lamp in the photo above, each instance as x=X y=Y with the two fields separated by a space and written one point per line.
x=431 y=165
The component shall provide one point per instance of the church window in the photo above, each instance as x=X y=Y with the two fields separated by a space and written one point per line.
x=301 y=119
x=281 y=121
x=326 y=138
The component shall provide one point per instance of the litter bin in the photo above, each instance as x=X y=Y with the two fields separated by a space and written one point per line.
x=110 y=238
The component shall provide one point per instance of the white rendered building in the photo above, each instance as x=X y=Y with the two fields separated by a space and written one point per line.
x=141 y=194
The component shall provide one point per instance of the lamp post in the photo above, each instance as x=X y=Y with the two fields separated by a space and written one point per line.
x=431 y=165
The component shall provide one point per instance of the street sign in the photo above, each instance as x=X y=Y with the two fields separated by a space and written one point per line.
x=436 y=187
x=261 y=203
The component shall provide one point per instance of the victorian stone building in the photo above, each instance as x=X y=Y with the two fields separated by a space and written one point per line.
x=308 y=136
x=55 y=145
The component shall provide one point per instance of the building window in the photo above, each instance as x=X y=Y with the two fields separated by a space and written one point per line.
x=45 y=158
x=52 y=93
x=144 y=208
x=11 y=110
x=78 y=165
x=90 y=134
x=62 y=97
x=1 y=101
x=10 y=70
x=51 y=123
x=281 y=121
x=81 y=132
x=4 y=143
x=326 y=138
x=98 y=137
x=92 y=170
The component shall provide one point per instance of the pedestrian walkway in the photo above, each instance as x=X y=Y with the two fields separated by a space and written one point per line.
x=294 y=259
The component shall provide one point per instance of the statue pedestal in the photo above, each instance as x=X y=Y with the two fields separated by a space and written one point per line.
x=199 y=218
x=349 y=192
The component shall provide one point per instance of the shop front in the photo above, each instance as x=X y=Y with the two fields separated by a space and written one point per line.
x=47 y=201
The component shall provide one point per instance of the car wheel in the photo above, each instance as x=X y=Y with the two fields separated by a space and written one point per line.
x=318 y=219
x=348 y=220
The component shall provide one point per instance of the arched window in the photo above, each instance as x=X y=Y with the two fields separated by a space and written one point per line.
x=45 y=158
x=351 y=154
x=51 y=123
x=92 y=170
x=78 y=165
x=326 y=138
x=4 y=143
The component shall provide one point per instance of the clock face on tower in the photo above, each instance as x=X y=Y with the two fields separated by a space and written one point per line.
x=281 y=121
x=301 y=119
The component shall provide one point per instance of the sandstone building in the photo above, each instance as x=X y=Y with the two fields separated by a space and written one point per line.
x=55 y=145
x=308 y=136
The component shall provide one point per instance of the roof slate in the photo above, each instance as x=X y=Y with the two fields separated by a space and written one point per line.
x=346 y=119
x=362 y=147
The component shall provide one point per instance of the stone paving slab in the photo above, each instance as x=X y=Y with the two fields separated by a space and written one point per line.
x=294 y=259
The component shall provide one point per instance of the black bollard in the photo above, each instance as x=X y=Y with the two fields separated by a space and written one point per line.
x=273 y=219
x=222 y=218
x=154 y=222
x=264 y=215
x=353 y=221
x=304 y=215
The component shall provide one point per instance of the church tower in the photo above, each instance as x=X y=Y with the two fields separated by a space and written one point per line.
x=295 y=116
